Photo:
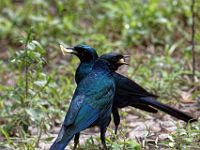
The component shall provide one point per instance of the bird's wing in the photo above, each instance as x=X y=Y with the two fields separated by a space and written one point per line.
x=74 y=108
x=86 y=93
x=126 y=85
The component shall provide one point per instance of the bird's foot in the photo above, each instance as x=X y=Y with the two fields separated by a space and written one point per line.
x=105 y=147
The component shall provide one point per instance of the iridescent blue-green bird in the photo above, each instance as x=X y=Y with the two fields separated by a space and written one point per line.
x=92 y=101
x=128 y=93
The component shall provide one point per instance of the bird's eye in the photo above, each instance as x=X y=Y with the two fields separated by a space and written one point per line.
x=117 y=58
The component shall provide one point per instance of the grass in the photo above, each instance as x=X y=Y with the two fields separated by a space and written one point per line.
x=155 y=33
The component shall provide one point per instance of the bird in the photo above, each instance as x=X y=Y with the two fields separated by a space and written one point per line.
x=128 y=92
x=91 y=104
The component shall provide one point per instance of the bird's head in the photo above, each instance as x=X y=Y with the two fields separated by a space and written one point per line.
x=84 y=52
x=114 y=60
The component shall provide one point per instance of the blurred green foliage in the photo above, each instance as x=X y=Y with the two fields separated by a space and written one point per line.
x=155 y=33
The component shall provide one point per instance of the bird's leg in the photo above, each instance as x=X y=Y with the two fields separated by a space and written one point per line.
x=104 y=122
x=116 y=118
x=103 y=139
x=76 y=140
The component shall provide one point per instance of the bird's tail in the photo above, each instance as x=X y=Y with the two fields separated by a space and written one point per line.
x=167 y=109
x=86 y=116
x=62 y=140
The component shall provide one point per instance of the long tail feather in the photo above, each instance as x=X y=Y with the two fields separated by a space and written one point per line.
x=62 y=140
x=86 y=116
x=169 y=110
x=146 y=108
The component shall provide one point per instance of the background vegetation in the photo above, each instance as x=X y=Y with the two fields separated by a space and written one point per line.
x=37 y=82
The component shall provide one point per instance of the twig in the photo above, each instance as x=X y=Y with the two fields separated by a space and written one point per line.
x=40 y=133
x=193 y=42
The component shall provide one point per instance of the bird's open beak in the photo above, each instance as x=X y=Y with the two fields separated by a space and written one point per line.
x=65 y=51
x=122 y=61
